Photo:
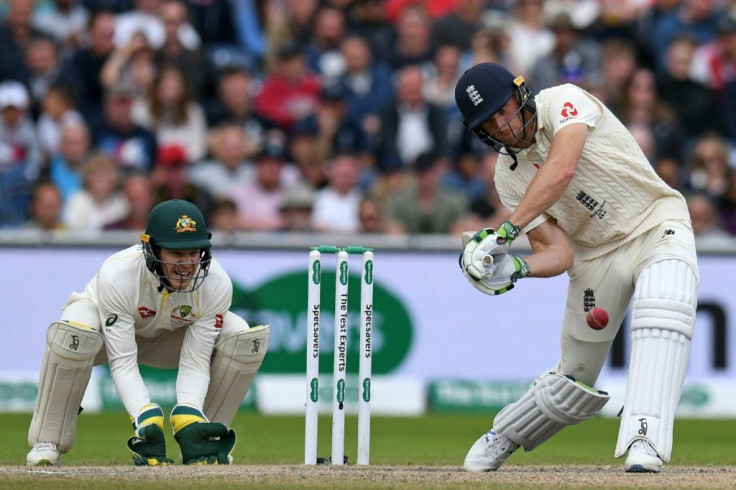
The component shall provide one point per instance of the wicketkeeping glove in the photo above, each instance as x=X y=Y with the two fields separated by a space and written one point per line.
x=148 y=446
x=201 y=441
x=478 y=256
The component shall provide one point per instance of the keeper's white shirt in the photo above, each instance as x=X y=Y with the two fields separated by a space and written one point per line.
x=615 y=194
x=133 y=313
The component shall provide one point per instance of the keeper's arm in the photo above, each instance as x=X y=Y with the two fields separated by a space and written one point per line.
x=551 y=252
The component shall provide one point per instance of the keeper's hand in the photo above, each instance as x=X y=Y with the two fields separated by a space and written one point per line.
x=201 y=442
x=148 y=445
x=480 y=249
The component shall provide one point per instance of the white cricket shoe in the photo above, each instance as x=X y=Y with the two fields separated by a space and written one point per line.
x=489 y=452
x=43 y=454
x=643 y=458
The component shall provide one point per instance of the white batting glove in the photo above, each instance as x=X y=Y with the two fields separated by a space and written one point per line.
x=480 y=249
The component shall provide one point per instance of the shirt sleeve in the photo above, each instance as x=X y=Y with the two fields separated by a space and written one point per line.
x=572 y=105
x=116 y=299
x=215 y=298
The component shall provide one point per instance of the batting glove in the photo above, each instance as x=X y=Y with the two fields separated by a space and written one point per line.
x=481 y=249
x=148 y=445
x=201 y=442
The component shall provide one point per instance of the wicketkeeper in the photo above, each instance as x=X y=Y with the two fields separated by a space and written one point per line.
x=590 y=204
x=163 y=303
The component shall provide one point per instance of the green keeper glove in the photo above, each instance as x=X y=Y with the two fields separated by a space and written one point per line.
x=201 y=442
x=148 y=445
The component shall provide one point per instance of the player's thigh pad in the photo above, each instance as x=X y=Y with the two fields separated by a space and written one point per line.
x=663 y=322
x=65 y=372
x=235 y=363
x=552 y=403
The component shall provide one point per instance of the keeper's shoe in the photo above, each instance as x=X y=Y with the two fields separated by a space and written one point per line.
x=643 y=458
x=43 y=454
x=489 y=452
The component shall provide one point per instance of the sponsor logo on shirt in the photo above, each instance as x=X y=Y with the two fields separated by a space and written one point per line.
x=145 y=312
x=111 y=320
x=568 y=112
x=592 y=205
x=218 y=321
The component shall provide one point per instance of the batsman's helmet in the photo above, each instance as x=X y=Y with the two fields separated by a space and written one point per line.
x=176 y=225
x=482 y=91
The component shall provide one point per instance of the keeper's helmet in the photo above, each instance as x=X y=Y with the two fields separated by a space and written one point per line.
x=483 y=90
x=176 y=225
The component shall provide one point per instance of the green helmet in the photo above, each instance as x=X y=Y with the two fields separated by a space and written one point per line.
x=176 y=225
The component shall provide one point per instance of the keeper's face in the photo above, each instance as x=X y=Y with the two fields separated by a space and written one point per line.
x=180 y=266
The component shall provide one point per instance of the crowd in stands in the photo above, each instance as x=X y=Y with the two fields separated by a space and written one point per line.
x=336 y=115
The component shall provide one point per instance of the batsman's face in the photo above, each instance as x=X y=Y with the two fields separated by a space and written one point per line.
x=507 y=126
x=180 y=266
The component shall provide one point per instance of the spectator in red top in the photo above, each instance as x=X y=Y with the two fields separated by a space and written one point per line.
x=290 y=92
x=714 y=63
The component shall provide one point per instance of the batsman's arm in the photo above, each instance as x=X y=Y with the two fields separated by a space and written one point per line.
x=551 y=252
x=554 y=176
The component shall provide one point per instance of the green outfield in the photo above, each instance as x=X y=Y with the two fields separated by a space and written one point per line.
x=432 y=440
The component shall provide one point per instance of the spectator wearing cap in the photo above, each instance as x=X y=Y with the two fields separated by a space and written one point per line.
x=116 y=134
x=85 y=64
x=172 y=114
x=335 y=131
x=290 y=92
x=296 y=209
x=336 y=205
x=427 y=207
x=574 y=59
x=714 y=63
x=145 y=18
x=20 y=154
x=259 y=199
x=171 y=181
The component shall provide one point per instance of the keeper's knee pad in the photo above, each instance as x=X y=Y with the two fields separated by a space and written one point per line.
x=551 y=404
x=663 y=322
x=65 y=372
x=234 y=365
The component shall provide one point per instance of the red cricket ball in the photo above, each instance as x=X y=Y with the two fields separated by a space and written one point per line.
x=597 y=318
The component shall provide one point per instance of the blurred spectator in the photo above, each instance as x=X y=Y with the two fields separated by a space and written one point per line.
x=373 y=219
x=530 y=38
x=46 y=208
x=427 y=207
x=714 y=63
x=170 y=181
x=705 y=221
x=290 y=92
x=144 y=19
x=617 y=66
x=336 y=205
x=335 y=131
x=692 y=101
x=57 y=109
x=696 y=19
x=323 y=54
x=227 y=168
x=411 y=126
x=65 y=167
x=413 y=44
x=175 y=48
x=20 y=155
x=709 y=171
x=486 y=211
x=439 y=89
x=259 y=199
x=131 y=64
x=224 y=218
x=458 y=27
x=86 y=63
x=369 y=21
x=491 y=43
x=64 y=20
x=214 y=22
x=575 y=59
x=117 y=135
x=138 y=192
x=291 y=22
x=42 y=69
x=15 y=33
x=726 y=103
x=611 y=19
x=99 y=202
x=367 y=82
x=642 y=105
x=296 y=209
x=303 y=150
x=169 y=111
x=466 y=177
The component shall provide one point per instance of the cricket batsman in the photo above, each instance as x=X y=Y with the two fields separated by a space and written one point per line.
x=590 y=204
x=163 y=303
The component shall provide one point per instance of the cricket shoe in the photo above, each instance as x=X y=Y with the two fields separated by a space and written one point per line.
x=489 y=452
x=43 y=454
x=643 y=458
